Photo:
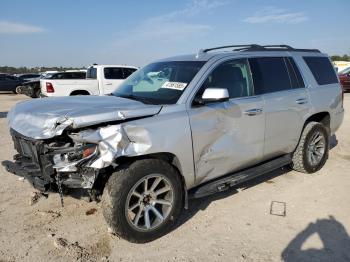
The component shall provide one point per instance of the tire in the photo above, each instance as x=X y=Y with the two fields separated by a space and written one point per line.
x=118 y=197
x=37 y=93
x=17 y=90
x=302 y=161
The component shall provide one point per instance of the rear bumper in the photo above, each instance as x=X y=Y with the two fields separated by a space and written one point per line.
x=29 y=171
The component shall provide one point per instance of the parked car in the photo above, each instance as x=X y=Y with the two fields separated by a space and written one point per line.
x=344 y=77
x=9 y=82
x=32 y=88
x=101 y=79
x=181 y=127
x=28 y=77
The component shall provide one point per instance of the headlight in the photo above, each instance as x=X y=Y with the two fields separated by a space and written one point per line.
x=74 y=156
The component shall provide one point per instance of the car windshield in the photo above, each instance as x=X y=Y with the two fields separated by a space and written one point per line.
x=159 y=83
x=345 y=71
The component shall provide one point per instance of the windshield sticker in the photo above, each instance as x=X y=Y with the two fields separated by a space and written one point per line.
x=174 y=85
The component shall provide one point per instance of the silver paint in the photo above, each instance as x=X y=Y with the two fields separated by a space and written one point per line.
x=205 y=142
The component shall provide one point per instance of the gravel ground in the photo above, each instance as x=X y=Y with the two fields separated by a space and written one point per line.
x=232 y=226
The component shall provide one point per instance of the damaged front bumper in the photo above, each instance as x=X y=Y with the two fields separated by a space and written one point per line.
x=30 y=172
x=46 y=166
x=76 y=159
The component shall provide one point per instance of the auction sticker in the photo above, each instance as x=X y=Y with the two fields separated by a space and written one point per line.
x=174 y=85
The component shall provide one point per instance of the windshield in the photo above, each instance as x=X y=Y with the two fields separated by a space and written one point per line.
x=159 y=83
x=345 y=71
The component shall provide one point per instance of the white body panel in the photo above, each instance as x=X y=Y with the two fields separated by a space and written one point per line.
x=98 y=86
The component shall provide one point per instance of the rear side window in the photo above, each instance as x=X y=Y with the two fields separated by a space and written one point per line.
x=295 y=77
x=322 y=70
x=113 y=73
x=91 y=73
x=79 y=75
x=270 y=74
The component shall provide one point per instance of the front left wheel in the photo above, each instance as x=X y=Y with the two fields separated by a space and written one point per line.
x=141 y=202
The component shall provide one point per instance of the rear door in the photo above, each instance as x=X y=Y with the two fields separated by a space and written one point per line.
x=11 y=82
x=113 y=77
x=2 y=83
x=279 y=80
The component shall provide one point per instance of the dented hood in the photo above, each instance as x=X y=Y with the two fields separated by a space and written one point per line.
x=48 y=117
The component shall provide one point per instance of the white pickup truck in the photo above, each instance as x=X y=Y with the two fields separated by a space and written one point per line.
x=100 y=80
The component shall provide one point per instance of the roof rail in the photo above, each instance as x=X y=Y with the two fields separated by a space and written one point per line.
x=256 y=47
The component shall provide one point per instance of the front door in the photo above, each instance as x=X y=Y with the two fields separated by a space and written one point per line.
x=227 y=136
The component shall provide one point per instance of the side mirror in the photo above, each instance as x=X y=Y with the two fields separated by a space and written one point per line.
x=213 y=95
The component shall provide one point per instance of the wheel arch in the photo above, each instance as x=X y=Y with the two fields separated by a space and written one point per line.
x=168 y=157
x=79 y=92
x=323 y=117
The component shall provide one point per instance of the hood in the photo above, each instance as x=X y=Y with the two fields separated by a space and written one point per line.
x=48 y=117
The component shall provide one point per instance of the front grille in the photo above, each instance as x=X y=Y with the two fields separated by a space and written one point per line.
x=26 y=147
x=31 y=154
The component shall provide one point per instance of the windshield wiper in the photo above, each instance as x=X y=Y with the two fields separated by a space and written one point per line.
x=137 y=98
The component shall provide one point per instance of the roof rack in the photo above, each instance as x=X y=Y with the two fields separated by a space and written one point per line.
x=255 y=47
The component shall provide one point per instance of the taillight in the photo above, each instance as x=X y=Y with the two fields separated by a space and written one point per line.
x=49 y=88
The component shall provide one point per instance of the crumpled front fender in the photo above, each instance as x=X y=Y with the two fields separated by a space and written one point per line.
x=115 y=141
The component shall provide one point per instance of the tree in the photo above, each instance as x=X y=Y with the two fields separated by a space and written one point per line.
x=340 y=58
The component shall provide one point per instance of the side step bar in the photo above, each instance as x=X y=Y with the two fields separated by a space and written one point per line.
x=223 y=183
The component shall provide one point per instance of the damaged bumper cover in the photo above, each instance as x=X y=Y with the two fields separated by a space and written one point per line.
x=76 y=166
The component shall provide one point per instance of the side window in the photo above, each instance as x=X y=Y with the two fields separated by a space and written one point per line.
x=11 y=78
x=91 y=73
x=269 y=74
x=128 y=72
x=78 y=75
x=296 y=79
x=321 y=69
x=233 y=75
x=113 y=73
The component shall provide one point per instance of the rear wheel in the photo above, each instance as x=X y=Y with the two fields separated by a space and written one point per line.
x=312 y=151
x=141 y=202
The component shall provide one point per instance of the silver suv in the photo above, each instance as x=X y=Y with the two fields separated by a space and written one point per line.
x=185 y=126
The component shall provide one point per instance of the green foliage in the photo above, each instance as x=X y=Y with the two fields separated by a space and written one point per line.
x=23 y=69
x=340 y=58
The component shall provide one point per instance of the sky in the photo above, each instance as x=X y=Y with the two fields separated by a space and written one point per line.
x=82 y=32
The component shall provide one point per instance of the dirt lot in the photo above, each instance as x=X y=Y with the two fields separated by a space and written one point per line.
x=232 y=226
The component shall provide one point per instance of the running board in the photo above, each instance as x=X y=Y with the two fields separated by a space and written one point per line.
x=227 y=181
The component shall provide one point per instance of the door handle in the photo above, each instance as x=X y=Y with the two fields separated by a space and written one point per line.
x=253 y=112
x=108 y=84
x=301 y=101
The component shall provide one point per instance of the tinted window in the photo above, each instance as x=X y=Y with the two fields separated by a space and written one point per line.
x=128 y=72
x=269 y=74
x=11 y=78
x=91 y=73
x=69 y=75
x=322 y=70
x=233 y=75
x=79 y=75
x=295 y=77
x=113 y=73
